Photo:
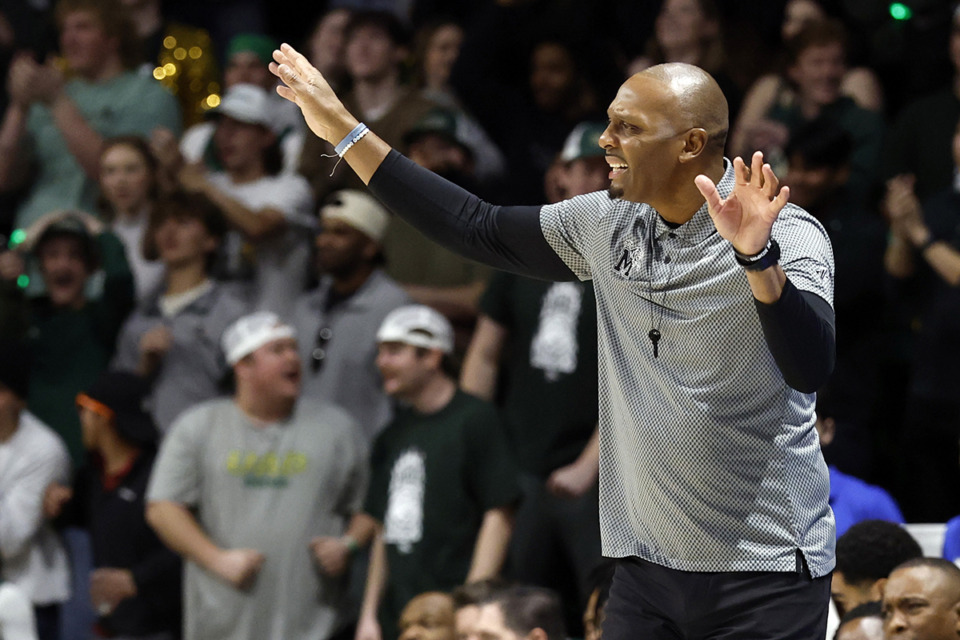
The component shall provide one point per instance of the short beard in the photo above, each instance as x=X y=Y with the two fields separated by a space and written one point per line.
x=614 y=192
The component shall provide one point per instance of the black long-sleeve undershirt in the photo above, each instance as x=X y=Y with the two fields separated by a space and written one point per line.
x=799 y=327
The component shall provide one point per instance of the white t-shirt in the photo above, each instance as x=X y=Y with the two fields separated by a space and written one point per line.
x=33 y=556
x=282 y=260
x=147 y=275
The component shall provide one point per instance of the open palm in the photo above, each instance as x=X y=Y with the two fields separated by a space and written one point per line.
x=746 y=216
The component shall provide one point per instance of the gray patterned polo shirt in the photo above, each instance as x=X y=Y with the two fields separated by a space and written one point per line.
x=709 y=460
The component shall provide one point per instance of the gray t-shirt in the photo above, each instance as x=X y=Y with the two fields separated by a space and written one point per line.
x=338 y=349
x=709 y=460
x=193 y=369
x=272 y=489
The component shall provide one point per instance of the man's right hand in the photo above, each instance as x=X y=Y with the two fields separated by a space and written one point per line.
x=306 y=87
x=238 y=567
x=154 y=345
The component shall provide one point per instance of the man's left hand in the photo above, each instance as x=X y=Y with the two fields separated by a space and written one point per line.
x=332 y=555
x=746 y=216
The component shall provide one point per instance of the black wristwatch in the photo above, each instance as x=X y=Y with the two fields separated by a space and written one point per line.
x=768 y=257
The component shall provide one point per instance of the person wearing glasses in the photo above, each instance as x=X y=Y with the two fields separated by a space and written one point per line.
x=337 y=322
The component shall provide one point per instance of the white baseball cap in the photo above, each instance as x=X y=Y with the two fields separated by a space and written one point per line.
x=246 y=103
x=251 y=332
x=361 y=211
x=417 y=325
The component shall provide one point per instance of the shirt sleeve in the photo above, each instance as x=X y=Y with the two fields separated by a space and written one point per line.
x=376 y=500
x=799 y=327
x=176 y=474
x=495 y=299
x=570 y=227
x=21 y=505
x=507 y=238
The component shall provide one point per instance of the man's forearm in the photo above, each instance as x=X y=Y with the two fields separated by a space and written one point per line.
x=82 y=140
x=255 y=225
x=12 y=164
x=799 y=330
x=179 y=530
x=898 y=258
x=481 y=364
x=376 y=577
x=490 y=550
x=361 y=529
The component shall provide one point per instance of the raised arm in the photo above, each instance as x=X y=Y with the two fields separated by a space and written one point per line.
x=798 y=325
x=506 y=238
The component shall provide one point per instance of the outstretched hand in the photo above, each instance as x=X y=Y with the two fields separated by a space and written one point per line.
x=306 y=87
x=746 y=216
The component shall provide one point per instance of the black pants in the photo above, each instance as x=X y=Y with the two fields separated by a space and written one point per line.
x=651 y=602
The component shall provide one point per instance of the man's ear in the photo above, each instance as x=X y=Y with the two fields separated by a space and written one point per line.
x=694 y=142
x=877 y=588
x=537 y=634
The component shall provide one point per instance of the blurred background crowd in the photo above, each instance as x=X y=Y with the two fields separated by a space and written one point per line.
x=155 y=192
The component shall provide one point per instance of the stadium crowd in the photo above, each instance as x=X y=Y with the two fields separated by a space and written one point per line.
x=240 y=399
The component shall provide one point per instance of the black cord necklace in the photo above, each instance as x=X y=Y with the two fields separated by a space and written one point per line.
x=654 y=333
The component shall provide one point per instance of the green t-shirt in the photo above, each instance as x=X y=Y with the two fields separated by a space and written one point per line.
x=71 y=347
x=548 y=374
x=129 y=104
x=433 y=477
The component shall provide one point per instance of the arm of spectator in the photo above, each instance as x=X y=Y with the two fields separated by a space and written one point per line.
x=368 y=628
x=82 y=140
x=55 y=500
x=14 y=165
x=490 y=550
x=944 y=259
x=456 y=303
x=154 y=345
x=333 y=554
x=912 y=235
x=902 y=209
x=862 y=84
x=166 y=149
x=756 y=104
x=576 y=478
x=21 y=506
x=109 y=586
x=481 y=364
x=255 y=225
x=178 y=529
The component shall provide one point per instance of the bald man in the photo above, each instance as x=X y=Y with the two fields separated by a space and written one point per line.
x=921 y=601
x=715 y=319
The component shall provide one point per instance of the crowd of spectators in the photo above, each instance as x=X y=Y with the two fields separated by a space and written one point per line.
x=359 y=434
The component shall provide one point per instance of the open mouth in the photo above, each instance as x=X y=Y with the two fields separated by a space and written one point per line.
x=617 y=167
